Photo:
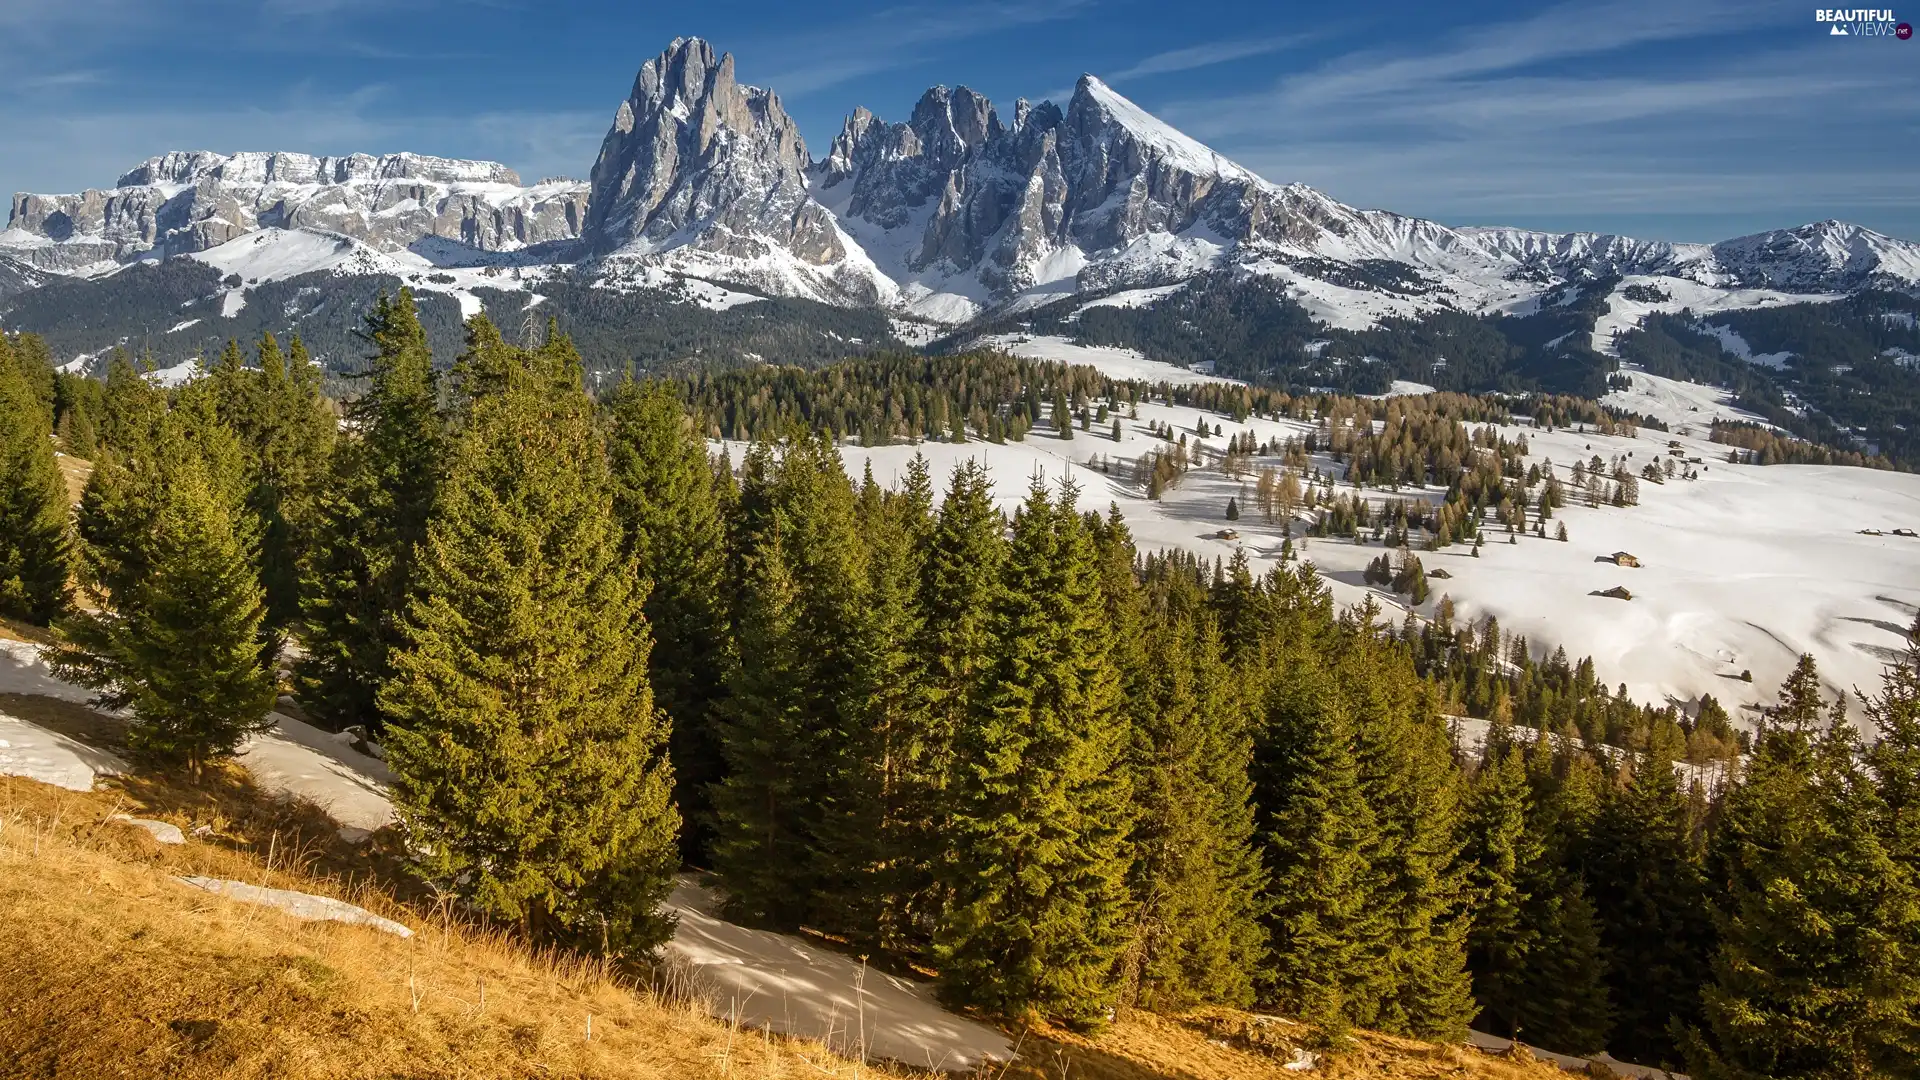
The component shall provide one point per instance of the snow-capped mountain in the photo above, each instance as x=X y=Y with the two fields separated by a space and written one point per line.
x=704 y=174
x=958 y=211
x=182 y=202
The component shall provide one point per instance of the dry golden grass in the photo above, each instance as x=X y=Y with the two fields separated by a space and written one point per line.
x=109 y=967
x=75 y=471
x=15 y=630
x=1224 y=1044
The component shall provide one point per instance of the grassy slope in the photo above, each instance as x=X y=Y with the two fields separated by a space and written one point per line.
x=108 y=967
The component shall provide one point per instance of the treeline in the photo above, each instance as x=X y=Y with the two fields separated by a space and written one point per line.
x=665 y=330
x=1252 y=330
x=168 y=312
x=1064 y=777
x=1765 y=447
x=1848 y=379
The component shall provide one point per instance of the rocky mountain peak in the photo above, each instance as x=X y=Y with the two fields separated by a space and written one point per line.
x=952 y=122
x=696 y=159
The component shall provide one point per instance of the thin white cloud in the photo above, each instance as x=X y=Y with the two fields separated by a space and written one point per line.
x=1583 y=111
x=1194 y=57
x=890 y=40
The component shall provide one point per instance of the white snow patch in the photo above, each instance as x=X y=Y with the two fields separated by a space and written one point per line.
x=760 y=979
x=179 y=326
x=303 y=761
x=1746 y=567
x=50 y=757
x=1136 y=298
x=1687 y=408
x=1112 y=361
x=1623 y=314
x=1731 y=341
x=179 y=374
x=303 y=906
x=914 y=332
x=166 y=832
x=1405 y=388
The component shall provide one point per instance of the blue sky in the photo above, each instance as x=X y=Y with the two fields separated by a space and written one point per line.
x=1674 y=120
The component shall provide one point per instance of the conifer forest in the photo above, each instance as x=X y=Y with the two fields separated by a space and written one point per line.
x=609 y=635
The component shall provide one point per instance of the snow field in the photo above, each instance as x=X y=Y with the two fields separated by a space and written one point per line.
x=1743 y=569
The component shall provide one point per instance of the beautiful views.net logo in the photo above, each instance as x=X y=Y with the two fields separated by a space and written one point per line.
x=1862 y=22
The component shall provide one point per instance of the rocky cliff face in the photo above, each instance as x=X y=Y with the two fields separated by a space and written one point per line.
x=183 y=202
x=696 y=162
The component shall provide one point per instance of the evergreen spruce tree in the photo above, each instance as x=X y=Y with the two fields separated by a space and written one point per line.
x=1039 y=897
x=870 y=847
x=959 y=562
x=797 y=717
x=1198 y=882
x=667 y=498
x=370 y=520
x=529 y=758
x=762 y=838
x=1503 y=853
x=288 y=434
x=1321 y=838
x=36 y=539
x=1649 y=891
x=1895 y=755
x=1814 y=975
x=131 y=406
x=1404 y=757
x=173 y=630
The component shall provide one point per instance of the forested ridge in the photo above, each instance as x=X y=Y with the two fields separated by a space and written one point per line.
x=1062 y=776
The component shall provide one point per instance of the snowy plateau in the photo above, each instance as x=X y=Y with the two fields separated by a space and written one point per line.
x=1742 y=569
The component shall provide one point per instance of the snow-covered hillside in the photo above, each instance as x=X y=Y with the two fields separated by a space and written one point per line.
x=1743 y=569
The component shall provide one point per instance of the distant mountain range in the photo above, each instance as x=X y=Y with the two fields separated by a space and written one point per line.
x=704 y=188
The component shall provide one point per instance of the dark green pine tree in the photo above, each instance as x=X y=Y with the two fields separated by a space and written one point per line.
x=761 y=838
x=1649 y=891
x=131 y=407
x=1404 y=755
x=1894 y=761
x=960 y=558
x=36 y=535
x=666 y=495
x=1321 y=838
x=1503 y=852
x=529 y=758
x=1814 y=975
x=875 y=866
x=371 y=517
x=1895 y=754
x=288 y=433
x=173 y=630
x=797 y=715
x=1038 y=915
x=1198 y=882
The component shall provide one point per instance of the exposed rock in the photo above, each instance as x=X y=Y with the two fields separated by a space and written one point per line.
x=186 y=201
x=697 y=163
